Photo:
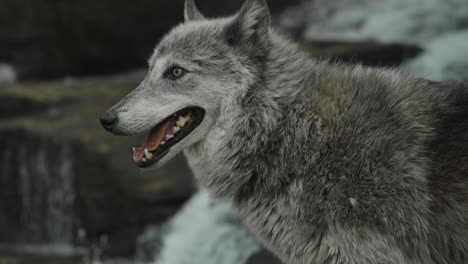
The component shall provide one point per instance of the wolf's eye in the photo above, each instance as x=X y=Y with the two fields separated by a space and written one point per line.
x=175 y=73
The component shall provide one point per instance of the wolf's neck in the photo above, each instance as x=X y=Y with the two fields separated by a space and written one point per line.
x=249 y=123
x=286 y=68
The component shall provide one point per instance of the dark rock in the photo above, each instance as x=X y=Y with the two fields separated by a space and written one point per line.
x=20 y=106
x=53 y=38
x=368 y=53
x=263 y=257
x=21 y=257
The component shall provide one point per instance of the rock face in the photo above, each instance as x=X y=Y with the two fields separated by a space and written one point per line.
x=369 y=53
x=52 y=38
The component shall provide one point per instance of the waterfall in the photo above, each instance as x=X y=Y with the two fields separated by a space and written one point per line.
x=37 y=190
x=204 y=231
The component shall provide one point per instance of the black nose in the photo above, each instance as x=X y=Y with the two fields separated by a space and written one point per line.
x=108 y=119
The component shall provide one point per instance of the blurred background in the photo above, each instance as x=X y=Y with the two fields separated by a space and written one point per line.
x=69 y=192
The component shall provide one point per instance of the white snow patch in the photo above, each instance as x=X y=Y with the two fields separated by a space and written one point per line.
x=439 y=26
x=206 y=231
x=383 y=20
x=446 y=58
x=7 y=74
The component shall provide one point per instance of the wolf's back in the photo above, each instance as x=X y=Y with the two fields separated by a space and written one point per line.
x=449 y=176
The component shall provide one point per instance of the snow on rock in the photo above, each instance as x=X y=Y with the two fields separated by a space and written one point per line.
x=439 y=26
x=383 y=20
x=446 y=58
x=205 y=231
x=389 y=20
x=7 y=74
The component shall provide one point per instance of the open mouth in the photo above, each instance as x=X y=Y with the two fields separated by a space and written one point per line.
x=166 y=134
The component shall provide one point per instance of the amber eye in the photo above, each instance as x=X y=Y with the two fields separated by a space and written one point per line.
x=174 y=73
x=177 y=72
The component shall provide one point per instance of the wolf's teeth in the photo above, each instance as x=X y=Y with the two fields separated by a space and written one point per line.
x=148 y=154
x=162 y=143
x=181 y=122
x=169 y=137
x=176 y=129
x=144 y=159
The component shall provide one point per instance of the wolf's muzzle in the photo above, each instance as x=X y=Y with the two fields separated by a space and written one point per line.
x=108 y=120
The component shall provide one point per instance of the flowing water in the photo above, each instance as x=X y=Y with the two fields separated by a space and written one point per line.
x=37 y=190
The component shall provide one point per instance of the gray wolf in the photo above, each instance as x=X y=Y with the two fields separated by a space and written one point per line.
x=324 y=162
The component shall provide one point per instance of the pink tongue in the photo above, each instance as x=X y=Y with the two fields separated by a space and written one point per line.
x=154 y=138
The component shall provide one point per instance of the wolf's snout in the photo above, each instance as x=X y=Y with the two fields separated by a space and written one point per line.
x=108 y=119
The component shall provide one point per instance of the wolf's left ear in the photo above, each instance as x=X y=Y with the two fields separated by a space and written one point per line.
x=191 y=12
x=251 y=25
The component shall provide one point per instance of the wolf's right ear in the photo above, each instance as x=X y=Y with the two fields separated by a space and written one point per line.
x=191 y=12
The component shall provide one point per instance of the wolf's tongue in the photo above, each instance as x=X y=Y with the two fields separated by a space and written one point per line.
x=154 y=138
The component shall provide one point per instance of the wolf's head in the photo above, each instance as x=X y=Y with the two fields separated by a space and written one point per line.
x=193 y=68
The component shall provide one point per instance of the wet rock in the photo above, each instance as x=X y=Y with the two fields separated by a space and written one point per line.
x=15 y=258
x=18 y=106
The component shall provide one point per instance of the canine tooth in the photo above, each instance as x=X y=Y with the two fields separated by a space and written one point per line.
x=181 y=122
x=148 y=154
x=162 y=143
x=144 y=159
x=175 y=129
x=169 y=137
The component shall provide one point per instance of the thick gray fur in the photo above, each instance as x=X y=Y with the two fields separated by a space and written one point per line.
x=326 y=163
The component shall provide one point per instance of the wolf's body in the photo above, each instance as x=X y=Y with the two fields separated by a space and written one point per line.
x=357 y=165
x=326 y=163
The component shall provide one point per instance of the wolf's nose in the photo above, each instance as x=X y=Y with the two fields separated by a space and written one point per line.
x=108 y=119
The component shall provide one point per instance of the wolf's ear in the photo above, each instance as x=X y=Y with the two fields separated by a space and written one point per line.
x=251 y=25
x=191 y=12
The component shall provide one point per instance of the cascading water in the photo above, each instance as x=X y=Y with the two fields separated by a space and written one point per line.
x=37 y=190
x=204 y=231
